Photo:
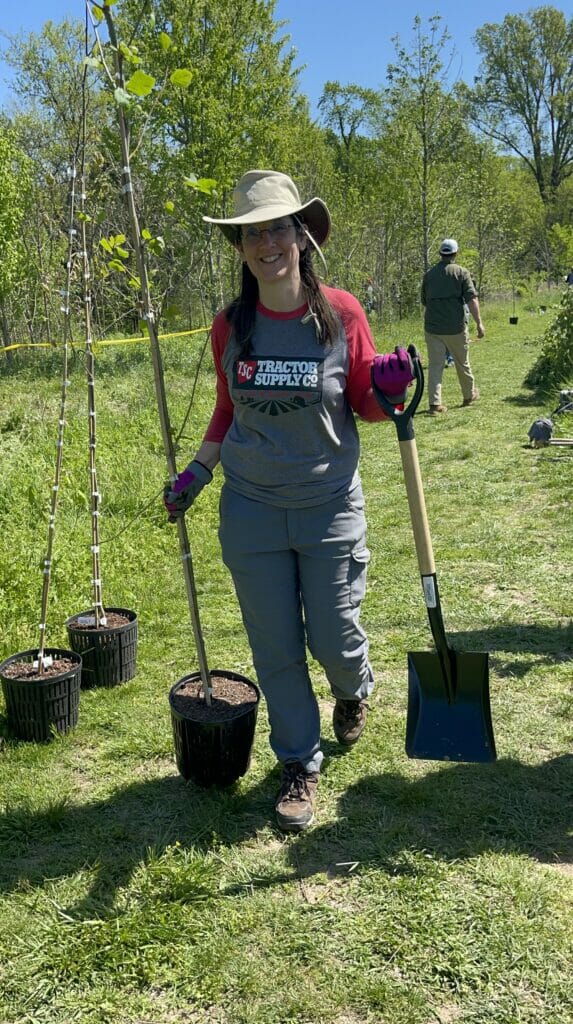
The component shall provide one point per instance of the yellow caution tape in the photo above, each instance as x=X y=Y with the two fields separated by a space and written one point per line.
x=105 y=341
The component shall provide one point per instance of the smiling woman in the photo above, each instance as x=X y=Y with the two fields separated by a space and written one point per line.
x=294 y=360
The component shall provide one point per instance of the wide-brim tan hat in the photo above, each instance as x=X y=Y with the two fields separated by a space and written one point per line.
x=260 y=196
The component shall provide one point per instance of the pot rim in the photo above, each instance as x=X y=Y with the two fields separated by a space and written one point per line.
x=69 y=623
x=29 y=655
x=226 y=674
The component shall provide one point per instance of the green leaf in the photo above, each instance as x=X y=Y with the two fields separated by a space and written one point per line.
x=182 y=77
x=146 y=234
x=140 y=84
x=118 y=239
x=84 y=217
x=105 y=245
x=122 y=98
x=97 y=13
x=205 y=185
x=117 y=265
x=169 y=206
x=129 y=53
x=165 y=41
x=134 y=282
x=93 y=62
x=157 y=245
x=122 y=252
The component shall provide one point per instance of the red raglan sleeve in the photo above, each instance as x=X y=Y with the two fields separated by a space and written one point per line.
x=223 y=412
x=361 y=352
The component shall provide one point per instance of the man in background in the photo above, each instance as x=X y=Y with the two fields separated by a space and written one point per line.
x=448 y=294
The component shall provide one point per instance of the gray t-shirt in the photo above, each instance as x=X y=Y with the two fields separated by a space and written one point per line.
x=446 y=287
x=293 y=441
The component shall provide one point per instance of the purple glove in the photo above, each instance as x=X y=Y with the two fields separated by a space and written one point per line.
x=392 y=373
x=180 y=495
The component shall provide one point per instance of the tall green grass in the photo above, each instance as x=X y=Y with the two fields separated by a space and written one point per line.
x=425 y=892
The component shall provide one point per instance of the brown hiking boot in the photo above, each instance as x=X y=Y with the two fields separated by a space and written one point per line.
x=470 y=401
x=295 y=802
x=435 y=410
x=348 y=720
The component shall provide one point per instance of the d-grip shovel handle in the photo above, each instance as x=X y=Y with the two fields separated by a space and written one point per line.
x=417 y=505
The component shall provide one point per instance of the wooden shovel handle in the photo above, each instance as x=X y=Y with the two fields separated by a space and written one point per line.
x=417 y=504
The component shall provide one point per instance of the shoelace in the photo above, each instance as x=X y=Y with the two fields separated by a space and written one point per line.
x=352 y=710
x=295 y=784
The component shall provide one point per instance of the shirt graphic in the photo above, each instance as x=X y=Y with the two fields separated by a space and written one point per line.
x=275 y=386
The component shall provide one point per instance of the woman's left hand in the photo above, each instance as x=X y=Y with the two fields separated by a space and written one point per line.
x=393 y=373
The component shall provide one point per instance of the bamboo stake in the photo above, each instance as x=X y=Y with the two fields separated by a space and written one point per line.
x=159 y=379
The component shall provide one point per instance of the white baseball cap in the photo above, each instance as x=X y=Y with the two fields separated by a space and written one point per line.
x=448 y=247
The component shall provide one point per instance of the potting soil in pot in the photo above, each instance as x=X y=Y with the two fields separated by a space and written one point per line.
x=26 y=670
x=109 y=651
x=41 y=703
x=113 y=621
x=213 y=741
x=228 y=700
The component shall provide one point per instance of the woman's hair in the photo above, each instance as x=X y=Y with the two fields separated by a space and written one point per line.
x=241 y=312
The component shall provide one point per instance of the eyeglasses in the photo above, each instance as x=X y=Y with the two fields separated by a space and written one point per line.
x=277 y=233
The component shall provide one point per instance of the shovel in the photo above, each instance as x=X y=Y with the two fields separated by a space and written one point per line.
x=449 y=715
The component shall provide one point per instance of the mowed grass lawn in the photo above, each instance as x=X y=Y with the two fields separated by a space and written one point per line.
x=426 y=893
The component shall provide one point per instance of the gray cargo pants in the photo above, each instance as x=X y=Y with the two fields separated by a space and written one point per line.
x=300 y=576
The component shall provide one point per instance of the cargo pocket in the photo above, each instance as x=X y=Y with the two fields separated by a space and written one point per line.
x=358 y=567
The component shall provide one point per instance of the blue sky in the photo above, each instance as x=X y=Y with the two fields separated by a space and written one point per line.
x=349 y=43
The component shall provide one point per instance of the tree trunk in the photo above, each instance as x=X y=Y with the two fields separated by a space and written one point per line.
x=5 y=332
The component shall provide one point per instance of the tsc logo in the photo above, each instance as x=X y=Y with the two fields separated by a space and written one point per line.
x=277 y=385
x=245 y=370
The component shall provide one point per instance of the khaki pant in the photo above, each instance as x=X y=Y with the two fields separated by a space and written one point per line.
x=458 y=345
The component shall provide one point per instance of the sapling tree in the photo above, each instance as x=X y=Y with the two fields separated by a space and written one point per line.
x=99 y=611
x=43 y=660
x=125 y=90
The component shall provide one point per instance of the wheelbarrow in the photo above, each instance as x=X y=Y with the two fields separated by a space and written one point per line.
x=449 y=714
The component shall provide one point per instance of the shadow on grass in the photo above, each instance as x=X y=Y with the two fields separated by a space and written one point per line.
x=551 y=644
x=112 y=837
x=536 y=398
x=453 y=812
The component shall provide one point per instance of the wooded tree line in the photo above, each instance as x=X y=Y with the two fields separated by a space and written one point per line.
x=211 y=90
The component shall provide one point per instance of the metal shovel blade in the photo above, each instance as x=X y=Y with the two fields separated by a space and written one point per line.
x=438 y=729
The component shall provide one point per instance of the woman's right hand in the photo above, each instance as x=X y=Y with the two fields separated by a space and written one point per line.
x=180 y=495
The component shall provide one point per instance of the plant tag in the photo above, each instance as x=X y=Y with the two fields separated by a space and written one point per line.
x=47 y=662
x=429 y=591
x=86 y=620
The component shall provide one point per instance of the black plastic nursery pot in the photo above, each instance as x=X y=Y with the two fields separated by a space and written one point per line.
x=513 y=319
x=38 y=707
x=213 y=745
x=108 y=654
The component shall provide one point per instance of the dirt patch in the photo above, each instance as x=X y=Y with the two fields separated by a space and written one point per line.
x=447 y=1014
x=229 y=699
x=563 y=868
